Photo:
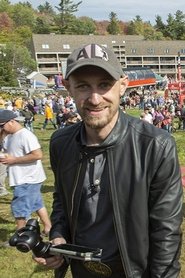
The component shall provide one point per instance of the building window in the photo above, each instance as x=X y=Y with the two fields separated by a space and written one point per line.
x=166 y=51
x=182 y=51
x=133 y=50
x=66 y=46
x=45 y=46
x=150 y=51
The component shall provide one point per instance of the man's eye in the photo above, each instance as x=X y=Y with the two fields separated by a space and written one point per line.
x=105 y=85
x=82 y=86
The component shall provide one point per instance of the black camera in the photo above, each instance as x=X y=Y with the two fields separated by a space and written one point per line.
x=28 y=239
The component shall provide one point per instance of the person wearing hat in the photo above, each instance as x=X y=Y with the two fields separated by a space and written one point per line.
x=117 y=179
x=25 y=170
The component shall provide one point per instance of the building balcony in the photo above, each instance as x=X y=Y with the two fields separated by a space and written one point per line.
x=47 y=60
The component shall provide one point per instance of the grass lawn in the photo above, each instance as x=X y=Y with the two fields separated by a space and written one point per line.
x=15 y=264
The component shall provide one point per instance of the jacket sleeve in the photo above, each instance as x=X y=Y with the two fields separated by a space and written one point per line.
x=165 y=213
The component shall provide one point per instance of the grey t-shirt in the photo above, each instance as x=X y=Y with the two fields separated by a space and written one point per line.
x=95 y=227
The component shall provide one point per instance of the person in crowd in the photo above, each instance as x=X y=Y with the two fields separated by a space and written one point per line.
x=158 y=117
x=28 y=118
x=48 y=116
x=71 y=118
x=19 y=103
x=60 y=118
x=117 y=179
x=167 y=121
x=3 y=167
x=146 y=115
x=15 y=110
x=2 y=103
x=25 y=170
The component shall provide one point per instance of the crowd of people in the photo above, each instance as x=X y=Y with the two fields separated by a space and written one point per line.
x=121 y=192
x=157 y=110
x=57 y=110
x=61 y=111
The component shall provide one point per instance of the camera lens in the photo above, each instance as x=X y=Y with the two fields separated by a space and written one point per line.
x=23 y=247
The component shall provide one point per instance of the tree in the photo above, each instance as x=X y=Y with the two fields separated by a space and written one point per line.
x=151 y=34
x=66 y=10
x=136 y=26
x=5 y=22
x=83 y=26
x=7 y=75
x=113 y=27
x=46 y=8
x=4 y=6
x=23 y=35
x=179 y=25
x=175 y=27
x=23 y=15
x=41 y=26
x=14 y=59
x=159 y=26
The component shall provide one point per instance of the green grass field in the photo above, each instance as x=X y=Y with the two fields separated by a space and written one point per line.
x=15 y=264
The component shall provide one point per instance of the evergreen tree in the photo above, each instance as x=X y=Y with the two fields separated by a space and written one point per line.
x=66 y=10
x=159 y=26
x=113 y=28
x=46 y=8
x=41 y=26
x=83 y=26
x=7 y=75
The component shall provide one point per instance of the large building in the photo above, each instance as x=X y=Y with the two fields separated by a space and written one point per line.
x=51 y=51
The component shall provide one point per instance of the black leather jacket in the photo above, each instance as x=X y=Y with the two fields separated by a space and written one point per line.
x=145 y=189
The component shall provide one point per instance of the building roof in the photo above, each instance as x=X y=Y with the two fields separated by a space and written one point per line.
x=37 y=76
x=67 y=43
x=143 y=47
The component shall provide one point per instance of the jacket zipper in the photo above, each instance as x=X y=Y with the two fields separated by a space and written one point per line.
x=75 y=185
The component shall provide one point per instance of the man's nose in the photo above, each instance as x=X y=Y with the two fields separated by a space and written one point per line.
x=94 y=97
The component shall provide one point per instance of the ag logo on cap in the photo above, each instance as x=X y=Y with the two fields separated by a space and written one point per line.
x=92 y=51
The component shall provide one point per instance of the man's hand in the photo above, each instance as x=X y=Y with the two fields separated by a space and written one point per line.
x=8 y=159
x=51 y=262
x=54 y=261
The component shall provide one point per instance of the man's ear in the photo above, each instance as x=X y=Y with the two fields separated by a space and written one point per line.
x=124 y=84
x=67 y=86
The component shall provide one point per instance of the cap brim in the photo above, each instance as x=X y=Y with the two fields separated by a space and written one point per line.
x=115 y=73
x=19 y=119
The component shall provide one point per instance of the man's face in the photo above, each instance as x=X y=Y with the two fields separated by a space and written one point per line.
x=97 y=96
x=7 y=127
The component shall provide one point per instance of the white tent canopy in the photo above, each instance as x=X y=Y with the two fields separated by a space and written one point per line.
x=37 y=79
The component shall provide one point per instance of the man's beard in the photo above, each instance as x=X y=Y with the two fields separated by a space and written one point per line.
x=96 y=122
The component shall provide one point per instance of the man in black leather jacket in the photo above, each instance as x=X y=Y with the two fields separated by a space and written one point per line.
x=117 y=179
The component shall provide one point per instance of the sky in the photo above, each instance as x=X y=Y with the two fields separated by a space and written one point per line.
x=126 y=10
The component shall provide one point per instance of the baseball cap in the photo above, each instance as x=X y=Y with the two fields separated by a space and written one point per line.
x=94 y=55
x=7 y=115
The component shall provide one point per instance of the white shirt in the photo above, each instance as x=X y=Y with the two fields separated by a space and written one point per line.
x=19 y=144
